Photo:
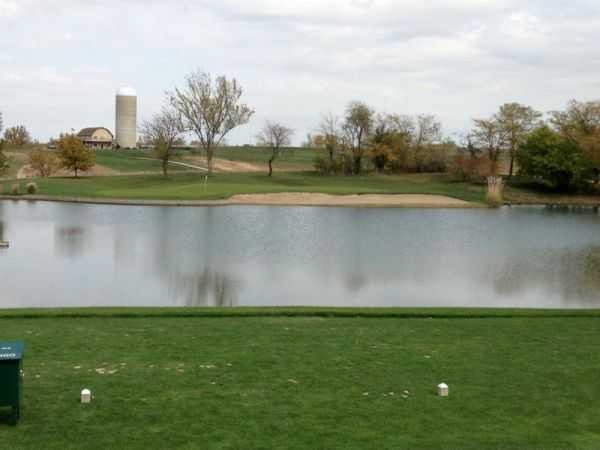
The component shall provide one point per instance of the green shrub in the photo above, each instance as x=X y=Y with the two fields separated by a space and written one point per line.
x=553 y=160
x=31 y=188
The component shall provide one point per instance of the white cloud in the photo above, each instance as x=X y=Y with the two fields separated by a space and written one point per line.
x=454 y=58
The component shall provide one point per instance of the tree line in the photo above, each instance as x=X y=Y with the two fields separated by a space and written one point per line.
x=560 y=148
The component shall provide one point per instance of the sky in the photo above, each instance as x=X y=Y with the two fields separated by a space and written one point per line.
x=61 y=61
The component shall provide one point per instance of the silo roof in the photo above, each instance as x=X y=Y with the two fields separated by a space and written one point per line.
x=126 y=91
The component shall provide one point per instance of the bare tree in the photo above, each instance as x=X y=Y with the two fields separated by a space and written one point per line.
x=275 y=136
x=211 y=109
x=3 y=159
x=428 y=131
x=516 y=121
x=357 y=126
x=17 y=136
x=329 y=134
x=489 y=135
x=163 y=132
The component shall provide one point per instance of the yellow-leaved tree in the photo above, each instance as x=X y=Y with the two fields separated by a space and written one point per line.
x=73 y=155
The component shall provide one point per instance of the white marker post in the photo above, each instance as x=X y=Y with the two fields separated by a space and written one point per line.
x=86 y=396
x=443 y=390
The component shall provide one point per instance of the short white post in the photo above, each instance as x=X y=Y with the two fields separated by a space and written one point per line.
x=86 y=396
x=443 y=390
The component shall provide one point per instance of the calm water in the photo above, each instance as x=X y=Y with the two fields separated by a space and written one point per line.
x=89 y=255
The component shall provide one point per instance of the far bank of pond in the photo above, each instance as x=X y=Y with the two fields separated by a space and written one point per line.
x=82 y=255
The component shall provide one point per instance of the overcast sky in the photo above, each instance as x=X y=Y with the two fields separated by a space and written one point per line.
x=61 y=61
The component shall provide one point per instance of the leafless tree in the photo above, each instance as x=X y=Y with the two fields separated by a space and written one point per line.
x=491 y=137
x=427 y=131
x=357 y=126
x=276 y=137
x=163 y=132
x=329 y=134
x=210 y=109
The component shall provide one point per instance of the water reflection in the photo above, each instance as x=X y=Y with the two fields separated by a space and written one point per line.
x=71 y=242
x=206 y=289
x=85 y=255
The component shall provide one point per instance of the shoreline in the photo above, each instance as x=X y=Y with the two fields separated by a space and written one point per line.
x=278 y=199
x=417 y=201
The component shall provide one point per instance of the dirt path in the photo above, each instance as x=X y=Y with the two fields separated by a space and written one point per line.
x=225 y=165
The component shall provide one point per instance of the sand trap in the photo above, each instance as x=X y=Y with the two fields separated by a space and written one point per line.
x=373 y=200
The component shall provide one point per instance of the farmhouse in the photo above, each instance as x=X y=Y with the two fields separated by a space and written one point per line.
x=98 y=137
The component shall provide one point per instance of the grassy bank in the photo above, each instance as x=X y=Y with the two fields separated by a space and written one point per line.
x=191 y=186
x=301 y=381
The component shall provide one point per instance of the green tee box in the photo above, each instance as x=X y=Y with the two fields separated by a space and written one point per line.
x=11 y=379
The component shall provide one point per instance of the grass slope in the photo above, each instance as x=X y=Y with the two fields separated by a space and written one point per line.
x=191 y=186
x=128 y=161
x=307 y=382
x=294 y=156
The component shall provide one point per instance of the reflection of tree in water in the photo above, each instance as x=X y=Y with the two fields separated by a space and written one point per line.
x=573 y=274
x=207 y=288
x=70 y=241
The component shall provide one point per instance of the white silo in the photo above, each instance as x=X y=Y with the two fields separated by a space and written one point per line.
x=126 y=118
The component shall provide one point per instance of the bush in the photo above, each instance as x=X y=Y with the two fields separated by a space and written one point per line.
x=31 y=188
x=553 y=160
x=43 y=162
x=340 y=165
x=15 y=189
x=495 y=192
x=467 y=167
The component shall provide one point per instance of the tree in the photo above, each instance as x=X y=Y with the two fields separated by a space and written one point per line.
x=516 y=122
x=428 y=132
x=551 y=158
x=490 y=136
x=329 y=135
x=3 y=159
x=390 y=141
x=163 y=132
x=275 y=136
x=210 y=109
x=17 y=136
x=43 y=162
x=580 y=123
x=357 y=127
x=73 y=155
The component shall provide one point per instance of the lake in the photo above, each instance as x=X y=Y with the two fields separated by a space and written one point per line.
x=76 y=255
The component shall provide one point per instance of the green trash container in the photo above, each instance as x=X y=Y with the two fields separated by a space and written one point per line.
x=11 y=377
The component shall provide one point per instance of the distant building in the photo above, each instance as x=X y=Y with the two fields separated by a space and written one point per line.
x=98 y=137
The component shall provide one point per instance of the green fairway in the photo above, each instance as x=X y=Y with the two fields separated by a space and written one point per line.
x=294 y=156
x=299 y=381
x=128 y=161
x=192 y=186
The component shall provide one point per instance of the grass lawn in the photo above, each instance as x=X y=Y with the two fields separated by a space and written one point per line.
x=127 y=161
x=295 y=156
x=302 y=382
x=191 y=186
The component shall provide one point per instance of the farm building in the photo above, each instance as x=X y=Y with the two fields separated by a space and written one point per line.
x=98 y=137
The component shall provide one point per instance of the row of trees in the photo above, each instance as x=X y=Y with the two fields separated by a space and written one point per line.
x=391 y=142
x=561 y=150
x=210 y=108
x=71 y=154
